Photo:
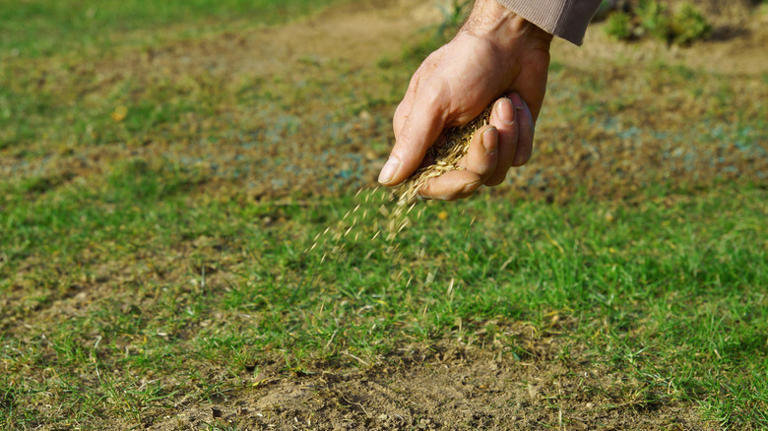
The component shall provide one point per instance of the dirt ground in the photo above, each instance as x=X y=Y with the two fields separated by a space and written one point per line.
x=542 y=384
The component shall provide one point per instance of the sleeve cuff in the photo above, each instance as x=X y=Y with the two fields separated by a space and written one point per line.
x=564 y=18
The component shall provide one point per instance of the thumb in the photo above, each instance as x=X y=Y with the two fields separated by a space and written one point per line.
x=422 y=126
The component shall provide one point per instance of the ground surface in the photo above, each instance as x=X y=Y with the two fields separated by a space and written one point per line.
x=163 y=177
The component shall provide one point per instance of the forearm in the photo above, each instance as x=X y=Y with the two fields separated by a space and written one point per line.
x=564 y=18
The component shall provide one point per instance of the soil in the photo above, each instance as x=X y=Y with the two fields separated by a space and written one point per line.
x=448 y=385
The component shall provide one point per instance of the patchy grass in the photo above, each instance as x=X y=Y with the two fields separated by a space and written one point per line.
x=42 y=27
x=168 y=293
x=157 y=201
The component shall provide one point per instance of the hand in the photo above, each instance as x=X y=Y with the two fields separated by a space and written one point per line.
x=495 y=53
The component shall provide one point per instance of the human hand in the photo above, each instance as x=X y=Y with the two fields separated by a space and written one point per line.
x=496 y=52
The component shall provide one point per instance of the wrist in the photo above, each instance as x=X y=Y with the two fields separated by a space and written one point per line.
x=491 y=20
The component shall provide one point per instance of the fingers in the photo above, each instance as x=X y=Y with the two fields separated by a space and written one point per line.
x=482 y=155
x=503 y=118
x=506 y=142
x=479 y=164
x=525 y=131
x=419 y=130
x=451 y=185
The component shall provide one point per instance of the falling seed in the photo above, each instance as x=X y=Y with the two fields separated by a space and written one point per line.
x=451 y=147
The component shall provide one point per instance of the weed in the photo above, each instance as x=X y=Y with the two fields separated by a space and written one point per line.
x=620 y=26
x=682 y=27
x=654 y=19
x=689 y=25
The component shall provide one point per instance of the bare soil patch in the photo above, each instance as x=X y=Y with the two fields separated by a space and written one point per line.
x=538 y=382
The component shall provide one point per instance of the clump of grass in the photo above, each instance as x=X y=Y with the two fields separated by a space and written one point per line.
x=690 y=25
x=652 y=18
x=619 y=26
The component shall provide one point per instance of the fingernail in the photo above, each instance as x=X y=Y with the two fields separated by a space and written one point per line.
x=389 y=170
x=506 y=111
x=489 y=143
x=516 y=100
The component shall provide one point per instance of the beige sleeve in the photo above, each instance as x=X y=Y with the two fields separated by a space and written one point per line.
x=565 y=18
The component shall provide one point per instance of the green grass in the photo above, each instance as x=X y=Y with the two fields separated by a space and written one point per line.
x=144 y=260
x=669 y=291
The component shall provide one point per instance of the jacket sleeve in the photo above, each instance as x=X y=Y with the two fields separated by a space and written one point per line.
x=565 y=18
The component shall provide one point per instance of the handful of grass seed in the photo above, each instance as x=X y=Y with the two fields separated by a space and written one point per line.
x=442 y=157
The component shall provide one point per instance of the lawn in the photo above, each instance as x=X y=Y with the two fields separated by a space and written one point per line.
x=166 y=170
